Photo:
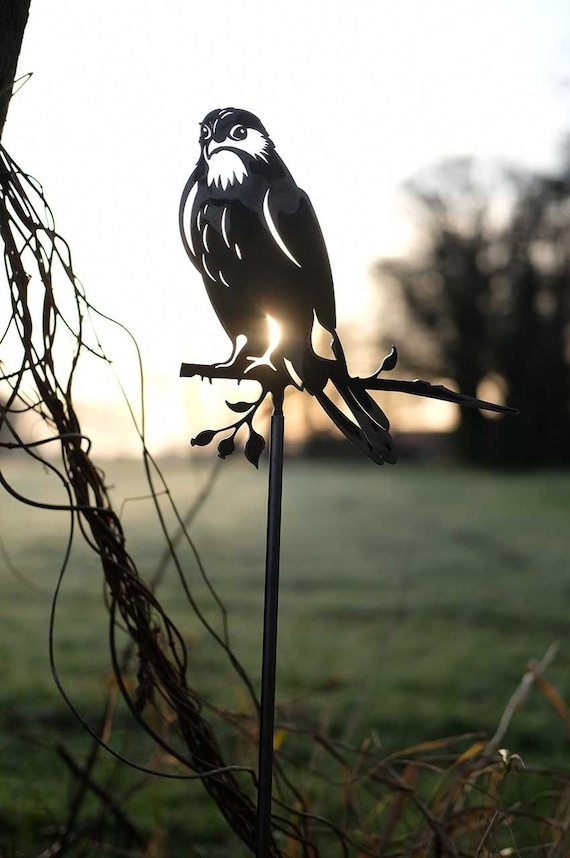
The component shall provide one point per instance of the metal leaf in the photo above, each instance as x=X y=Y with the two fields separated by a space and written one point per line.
x=254 y=447
x=240 y=407
x=389 y=361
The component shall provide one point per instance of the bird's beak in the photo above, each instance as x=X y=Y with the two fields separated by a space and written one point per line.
x=213 y=145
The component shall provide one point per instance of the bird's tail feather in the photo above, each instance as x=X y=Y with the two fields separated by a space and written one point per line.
x=370 y=429
x=376 y=443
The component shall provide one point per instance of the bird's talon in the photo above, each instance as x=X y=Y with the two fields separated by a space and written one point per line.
x=264 y=360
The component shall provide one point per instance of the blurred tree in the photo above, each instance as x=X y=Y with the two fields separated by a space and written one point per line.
x=487 y=300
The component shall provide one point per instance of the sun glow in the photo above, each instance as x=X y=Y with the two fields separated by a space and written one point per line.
x=274 y=334
x=274 y=340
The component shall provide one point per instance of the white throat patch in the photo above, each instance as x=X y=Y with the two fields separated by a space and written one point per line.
x=225 y=168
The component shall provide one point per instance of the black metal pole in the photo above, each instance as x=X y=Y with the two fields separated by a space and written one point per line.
x=269 y=657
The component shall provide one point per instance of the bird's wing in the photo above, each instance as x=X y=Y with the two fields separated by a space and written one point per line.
x=185 y=215
x=292 y=222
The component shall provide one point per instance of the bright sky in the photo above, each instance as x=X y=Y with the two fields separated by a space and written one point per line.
x=357 y=97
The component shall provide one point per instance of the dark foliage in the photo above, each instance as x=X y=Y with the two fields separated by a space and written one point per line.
x=489 y=300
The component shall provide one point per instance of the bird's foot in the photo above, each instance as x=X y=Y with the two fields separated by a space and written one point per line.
x=264 y=360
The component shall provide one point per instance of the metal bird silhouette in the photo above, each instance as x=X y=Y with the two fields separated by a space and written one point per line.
x=253 y=235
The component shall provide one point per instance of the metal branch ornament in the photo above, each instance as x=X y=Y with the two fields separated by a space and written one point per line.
x=253 y=235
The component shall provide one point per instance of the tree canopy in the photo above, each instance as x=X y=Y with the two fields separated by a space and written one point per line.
x=487 y=299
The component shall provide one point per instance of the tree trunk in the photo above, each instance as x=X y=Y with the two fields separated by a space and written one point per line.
x=13 y=20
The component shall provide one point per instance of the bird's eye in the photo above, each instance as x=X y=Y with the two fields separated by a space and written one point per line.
x=238 y=132
x=205 y=132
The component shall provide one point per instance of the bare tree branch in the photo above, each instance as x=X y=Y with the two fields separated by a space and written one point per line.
x=13 y=20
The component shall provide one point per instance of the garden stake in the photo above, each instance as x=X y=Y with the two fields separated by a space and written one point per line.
x=270 y=614
x=254 y=237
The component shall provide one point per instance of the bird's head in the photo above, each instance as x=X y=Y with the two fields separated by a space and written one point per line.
x=231 y=141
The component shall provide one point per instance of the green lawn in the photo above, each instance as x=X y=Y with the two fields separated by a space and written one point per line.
x=411 y=601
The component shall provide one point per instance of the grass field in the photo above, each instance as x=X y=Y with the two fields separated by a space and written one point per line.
x=411 y=601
